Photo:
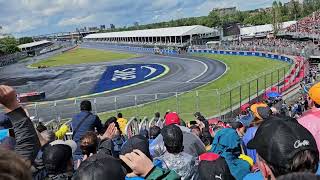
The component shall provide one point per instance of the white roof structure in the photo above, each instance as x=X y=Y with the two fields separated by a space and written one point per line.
x=30 y=45
x=251 y=31
x=161 y=32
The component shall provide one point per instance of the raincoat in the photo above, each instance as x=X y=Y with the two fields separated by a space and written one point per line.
x=191 y=143
x=182 y=163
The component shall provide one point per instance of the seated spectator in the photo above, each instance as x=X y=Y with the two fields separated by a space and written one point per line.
x=118 y=140
x=284 y=146
x=38 y=168
x=83 y=122
x=138 y=142
x=227 y=143
x=213 y=166
x=100 y=167
x=57 y=160
x=195 y=130
x=41 y=127
x=260 y=112
x=13 y=167
x=142 y=166
x=122 y=123
x=154 y=131
x=5 y=122
x=174 y=158
x=89 y=143
x=299 y=176
x=310 y=118
x=191 y=143
x=62 y=131
x=7 y=139
x=144 y=133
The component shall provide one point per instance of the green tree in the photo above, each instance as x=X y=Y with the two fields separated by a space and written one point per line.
x=8 y=45
x=213 y=19
x=276 y=17
x=295 y=10
x=25 y=40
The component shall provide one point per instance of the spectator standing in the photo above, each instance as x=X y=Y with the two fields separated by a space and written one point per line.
x=83 y=122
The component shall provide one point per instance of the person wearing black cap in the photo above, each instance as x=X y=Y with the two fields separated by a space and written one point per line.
x=284 y=146
x=174 y=158
x=57 y=160
x=100 y=167
x=140 y=143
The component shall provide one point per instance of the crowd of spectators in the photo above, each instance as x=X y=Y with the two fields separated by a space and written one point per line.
x=263 y=142
x=307 y=25
x=276 y=45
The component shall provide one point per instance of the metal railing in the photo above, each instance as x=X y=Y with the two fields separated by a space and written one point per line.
x=210 y=102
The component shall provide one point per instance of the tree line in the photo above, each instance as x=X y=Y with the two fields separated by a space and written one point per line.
x=278 y=13
x=9 y=44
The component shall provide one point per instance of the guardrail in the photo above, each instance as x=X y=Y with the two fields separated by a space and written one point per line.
x=218 y=103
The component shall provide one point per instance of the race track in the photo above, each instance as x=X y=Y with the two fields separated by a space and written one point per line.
x=185 y=74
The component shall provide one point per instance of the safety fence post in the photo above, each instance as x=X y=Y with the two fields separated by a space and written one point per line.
x=115 y=104
x=136 y=105
x=156 y=101
x=177 y=102
x=95 y=105
x=197 y=101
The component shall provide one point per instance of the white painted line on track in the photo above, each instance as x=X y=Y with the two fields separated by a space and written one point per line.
x=201 y=74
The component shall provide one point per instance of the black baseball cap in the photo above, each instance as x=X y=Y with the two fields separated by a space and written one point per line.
x=56 y=158
x=279 y=139
x=136 y=142
x=172 y=136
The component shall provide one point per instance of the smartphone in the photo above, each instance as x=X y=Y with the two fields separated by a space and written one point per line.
x=193 y=122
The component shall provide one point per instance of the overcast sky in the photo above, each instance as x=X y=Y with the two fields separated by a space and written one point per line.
x=35 y=17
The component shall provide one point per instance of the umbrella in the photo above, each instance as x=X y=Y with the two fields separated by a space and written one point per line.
x=272 y=94
x=311 y=121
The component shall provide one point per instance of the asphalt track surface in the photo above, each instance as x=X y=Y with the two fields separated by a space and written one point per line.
x=186 y=73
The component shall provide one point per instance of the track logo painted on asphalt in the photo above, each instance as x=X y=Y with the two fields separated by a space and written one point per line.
x=119 y=76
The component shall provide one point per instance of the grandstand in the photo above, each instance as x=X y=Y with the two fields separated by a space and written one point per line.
x=34 y=47
x=172 y=36
x=307 y=27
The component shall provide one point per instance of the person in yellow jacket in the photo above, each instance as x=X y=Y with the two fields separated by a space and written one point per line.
x=122 y=123
x=62 y=131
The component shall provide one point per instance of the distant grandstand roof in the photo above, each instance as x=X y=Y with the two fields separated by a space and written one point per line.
x=161 y=32
x=250 y=31
x=30 y=45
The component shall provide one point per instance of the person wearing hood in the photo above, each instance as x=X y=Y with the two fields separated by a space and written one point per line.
x=191 y=143
x=226 y=143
